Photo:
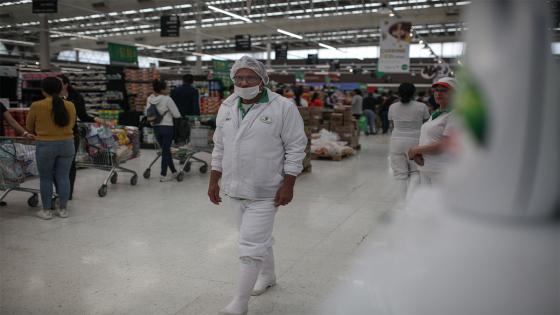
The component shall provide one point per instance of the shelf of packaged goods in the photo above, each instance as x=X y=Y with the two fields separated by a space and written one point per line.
x=87 y=80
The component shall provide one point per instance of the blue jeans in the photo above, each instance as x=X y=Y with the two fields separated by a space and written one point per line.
x=54 y=159
x=164 y=136
x=370 y=115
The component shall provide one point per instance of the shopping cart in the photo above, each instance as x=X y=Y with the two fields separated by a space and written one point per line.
x=18 y=165
x=105 y=148
x=199 y=142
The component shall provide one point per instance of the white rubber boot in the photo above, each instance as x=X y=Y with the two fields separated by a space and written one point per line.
x=267 y=277
x=402 y=186
x=413 y=184
x=248 y=273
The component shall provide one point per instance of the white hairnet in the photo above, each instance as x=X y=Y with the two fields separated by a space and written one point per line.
x=247 y=62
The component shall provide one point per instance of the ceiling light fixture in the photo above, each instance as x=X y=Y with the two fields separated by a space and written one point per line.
x=289 y=34
x=73 y=35
x=169 y=60
x=151 y=47
x=230 y=14
x=11 y=41
x=327 y=46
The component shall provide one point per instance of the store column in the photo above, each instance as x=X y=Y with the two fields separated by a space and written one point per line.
x=268 y=50
x=44 y=43
x=198 y=39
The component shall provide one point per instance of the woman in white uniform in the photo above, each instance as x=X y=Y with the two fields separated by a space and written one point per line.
x=406 y=118
x=259 y=147
x=430 y=154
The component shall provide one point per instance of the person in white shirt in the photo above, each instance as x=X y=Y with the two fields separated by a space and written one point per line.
x=430 y=154
x=259 y=147
x=164 y=130
x=406 y=118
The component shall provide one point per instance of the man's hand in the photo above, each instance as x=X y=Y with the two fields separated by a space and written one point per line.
x=412 y=153
x=419 y=159
x=214 y=187
x=285 y=194
x=29 y=135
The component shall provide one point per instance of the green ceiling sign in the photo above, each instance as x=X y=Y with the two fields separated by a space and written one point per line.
x=123 y=55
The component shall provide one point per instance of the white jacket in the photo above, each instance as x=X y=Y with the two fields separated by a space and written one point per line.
x=253 y=154
x=165 y=105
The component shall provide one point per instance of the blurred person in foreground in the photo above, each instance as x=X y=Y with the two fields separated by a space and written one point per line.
x=430 y=154
x=259 y=147
x=406 y=118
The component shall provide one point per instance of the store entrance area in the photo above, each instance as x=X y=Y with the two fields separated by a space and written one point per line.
x=163 y=248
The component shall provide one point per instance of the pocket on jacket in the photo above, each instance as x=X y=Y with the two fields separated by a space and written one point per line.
x=266 y=173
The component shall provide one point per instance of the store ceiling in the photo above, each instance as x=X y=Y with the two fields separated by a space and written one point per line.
x=91 y=24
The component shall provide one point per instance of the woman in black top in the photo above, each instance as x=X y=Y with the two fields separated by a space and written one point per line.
x=81 y=113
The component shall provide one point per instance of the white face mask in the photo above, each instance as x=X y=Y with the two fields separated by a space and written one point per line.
x=247 y=93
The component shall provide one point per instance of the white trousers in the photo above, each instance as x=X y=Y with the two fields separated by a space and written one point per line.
x=401 y=165
x=255 y=221
x=429 y=178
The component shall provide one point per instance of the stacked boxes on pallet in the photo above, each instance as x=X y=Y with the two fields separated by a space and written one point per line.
x=139 y=86
x=346 y=126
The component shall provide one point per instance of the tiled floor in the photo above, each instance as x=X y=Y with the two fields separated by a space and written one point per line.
x=163 y=248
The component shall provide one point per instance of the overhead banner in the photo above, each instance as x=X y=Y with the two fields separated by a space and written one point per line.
x=394 y=46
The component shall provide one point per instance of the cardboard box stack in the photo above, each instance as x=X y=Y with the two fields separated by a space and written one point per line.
x=20 y=115
x=345 y=125
x=139 y=86
x=305 y=115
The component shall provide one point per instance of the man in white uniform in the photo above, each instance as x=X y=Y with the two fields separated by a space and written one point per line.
x=259 y=147
x=430 y=154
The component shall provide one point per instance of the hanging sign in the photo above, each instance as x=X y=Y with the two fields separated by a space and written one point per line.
x=394 y=46
x=44 y=6
x=281 y=51
x=242 y=42
x=170 y=26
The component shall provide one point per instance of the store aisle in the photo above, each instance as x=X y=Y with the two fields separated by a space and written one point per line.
x=163 y=248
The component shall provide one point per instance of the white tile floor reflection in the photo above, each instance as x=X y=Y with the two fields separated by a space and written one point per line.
x=162 y=248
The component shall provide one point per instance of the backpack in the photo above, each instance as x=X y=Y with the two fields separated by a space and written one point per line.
x=153 y=116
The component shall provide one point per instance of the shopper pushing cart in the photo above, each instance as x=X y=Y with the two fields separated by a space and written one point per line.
x=198 y=142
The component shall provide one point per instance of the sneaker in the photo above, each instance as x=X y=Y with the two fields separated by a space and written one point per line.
x=63 y=213
x=45 y=214
x=167 y=178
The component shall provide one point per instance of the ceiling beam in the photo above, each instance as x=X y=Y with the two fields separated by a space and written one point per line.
x=331 y=23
